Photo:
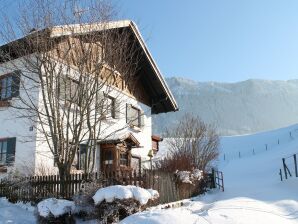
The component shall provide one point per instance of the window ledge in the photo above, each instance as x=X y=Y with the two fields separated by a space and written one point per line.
x=5 y=103
x=3 y=169
x=110 y=120
x=135 y=128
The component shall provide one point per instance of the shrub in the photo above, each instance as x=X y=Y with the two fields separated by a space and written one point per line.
x=192 y=144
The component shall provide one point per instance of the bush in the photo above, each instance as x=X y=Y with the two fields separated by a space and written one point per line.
x=192 y=144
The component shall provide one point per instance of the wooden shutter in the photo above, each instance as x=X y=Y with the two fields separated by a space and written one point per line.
x=128 y=113
x=117 y=109
x=11 y=150
x=100 y=104
x=62 y=87
x=142 y=119
x=15 y=87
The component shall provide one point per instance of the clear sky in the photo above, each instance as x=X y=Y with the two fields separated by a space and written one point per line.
x=220 y=40
x=216 y=40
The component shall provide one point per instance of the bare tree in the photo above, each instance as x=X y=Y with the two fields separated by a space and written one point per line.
x=68 y=63
x=192 y=145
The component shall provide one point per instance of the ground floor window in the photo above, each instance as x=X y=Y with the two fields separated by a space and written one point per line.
x=124 y=159
x=3 y=151
x=7 y=151
x=82 y=156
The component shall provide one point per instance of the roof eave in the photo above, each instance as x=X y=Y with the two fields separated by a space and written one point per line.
x=155 y=67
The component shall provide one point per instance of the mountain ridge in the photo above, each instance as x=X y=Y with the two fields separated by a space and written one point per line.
x=243 y=107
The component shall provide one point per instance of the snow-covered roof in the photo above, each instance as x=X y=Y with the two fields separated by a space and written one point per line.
x=118 y=137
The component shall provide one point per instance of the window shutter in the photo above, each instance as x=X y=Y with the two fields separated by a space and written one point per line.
x=117 y=109
x=100 y=104
x=142 y=119
x=128 y=113
x=62 y=89
x=11 y=150
x=15 y=88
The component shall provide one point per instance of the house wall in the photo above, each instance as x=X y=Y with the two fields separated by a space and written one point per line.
x=14 y=124
x=33 y=155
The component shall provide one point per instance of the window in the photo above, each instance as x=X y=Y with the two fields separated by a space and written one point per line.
x=107 y=106
x=82 y=156
x=108 y=157
x=110 y=107
x=9 y=86
x=124 y=159
x=134 y=116
x=7 y=151
x=69 y=89
x=3 y=151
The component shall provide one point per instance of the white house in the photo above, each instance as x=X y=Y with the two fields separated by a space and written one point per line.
x=20 y=148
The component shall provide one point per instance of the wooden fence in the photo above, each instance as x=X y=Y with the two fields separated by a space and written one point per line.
x=36 y=188
x=33 y=189
x=218 y=179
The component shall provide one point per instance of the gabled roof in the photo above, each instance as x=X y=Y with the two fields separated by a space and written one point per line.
x=162 y=99
x=120 y=138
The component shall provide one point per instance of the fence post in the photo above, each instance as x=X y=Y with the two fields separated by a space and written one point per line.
x=224 y=156
x=213 y=184
x=285 y=167
x=280 y=174
x=239 y=155
x=295 y=162
x=278 y=141
x=253 y=151
x=266 y=146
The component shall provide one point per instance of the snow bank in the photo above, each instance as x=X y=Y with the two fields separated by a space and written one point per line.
x=18 y=213
x=56 y=207
x=177 y=216
x=109 y=194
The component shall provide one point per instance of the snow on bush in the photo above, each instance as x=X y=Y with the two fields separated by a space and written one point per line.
x=55 y=207
x=109 y=194
x=189 y=177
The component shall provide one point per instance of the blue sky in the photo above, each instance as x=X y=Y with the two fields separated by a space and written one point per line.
x=216 y=40
x=220 y=40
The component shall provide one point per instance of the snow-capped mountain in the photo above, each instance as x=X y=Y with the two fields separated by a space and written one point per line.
x=234 y=108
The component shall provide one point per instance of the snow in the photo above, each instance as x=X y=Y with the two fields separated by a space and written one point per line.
x=162 y=216
x=18 y=213
x=55 y=207
x=109 y=194
x=189 y=177
x=253 y=190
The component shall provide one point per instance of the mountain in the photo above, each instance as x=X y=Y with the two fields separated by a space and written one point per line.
x=234 y=108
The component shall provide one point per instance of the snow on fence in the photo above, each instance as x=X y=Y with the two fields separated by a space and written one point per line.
x=289 y=167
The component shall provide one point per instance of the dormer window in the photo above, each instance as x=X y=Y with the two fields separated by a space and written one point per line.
x=9 y=86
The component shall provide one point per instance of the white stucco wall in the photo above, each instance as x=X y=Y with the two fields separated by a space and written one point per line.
x=13 y=123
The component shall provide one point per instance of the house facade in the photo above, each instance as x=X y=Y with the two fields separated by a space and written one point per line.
x=126 y=137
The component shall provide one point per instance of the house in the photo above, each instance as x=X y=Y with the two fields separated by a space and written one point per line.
x=127 y=136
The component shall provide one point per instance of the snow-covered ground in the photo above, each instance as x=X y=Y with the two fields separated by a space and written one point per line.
x=253 y=193
x=253 y=190
x=16 y=213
